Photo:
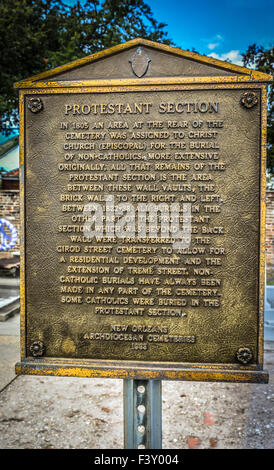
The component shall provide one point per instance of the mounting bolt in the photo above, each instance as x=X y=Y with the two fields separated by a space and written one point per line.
x=35 y=104
x=37 y=349
x=249 y=99
x=244 y=355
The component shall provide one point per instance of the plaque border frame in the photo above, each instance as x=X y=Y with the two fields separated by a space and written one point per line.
x=205 y=372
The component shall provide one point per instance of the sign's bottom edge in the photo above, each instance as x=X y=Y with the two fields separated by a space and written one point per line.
x=206 y=374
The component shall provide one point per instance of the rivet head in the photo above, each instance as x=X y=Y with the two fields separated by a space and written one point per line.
x=35 y=105
x=244 y=355
x=37 y=349
x=249 y=99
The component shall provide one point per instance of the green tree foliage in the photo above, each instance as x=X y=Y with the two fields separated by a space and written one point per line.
x=263 y=60
x=40 y=34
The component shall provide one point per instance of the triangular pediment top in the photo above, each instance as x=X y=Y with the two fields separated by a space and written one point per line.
x=141 y=58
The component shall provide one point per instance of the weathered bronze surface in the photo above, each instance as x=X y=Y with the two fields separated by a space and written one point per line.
x=134 y=306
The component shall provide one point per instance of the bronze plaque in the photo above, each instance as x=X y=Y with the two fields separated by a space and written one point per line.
x=143 y=231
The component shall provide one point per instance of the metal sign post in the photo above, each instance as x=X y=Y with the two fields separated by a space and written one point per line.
x=142 y=414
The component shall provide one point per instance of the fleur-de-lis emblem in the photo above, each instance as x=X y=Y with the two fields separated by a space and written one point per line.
x=139 y=62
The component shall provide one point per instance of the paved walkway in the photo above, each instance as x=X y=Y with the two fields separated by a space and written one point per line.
x=9 y=332
x=9 y=349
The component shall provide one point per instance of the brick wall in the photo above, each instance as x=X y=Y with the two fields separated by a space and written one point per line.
x=10 y=210
x=270 y=235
